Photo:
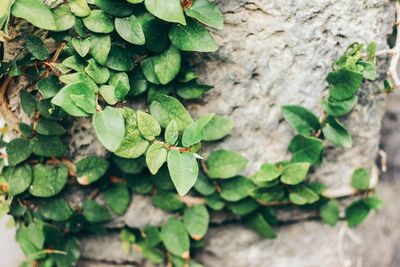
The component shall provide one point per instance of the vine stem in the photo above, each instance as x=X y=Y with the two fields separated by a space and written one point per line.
x=9 y=116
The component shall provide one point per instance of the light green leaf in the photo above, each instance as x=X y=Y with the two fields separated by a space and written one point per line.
x=48 y=180
x=35 y=12
x=336 y=133
x=63 y=100
x=18 y=150
x=329 y=212
x=204 y=185
x=267 y=173
x=108 y=93
x=75 y=63
x=236 y=189
x=90 y=169
x=79 y=7
x=360 y=179
x=156 y=155
x=148 y=126
x=194 y=133
x=176 y=238
x=166 y=108
x=170 y=10
x=118 y=198
x=196 y=221
x=172 y=133
x=301 y=195
x=130 y=30
x=120 y=81
x=55 y=209
x=217 y=128
x=207 y=13
x=79 y=77
x=36 y=47
x=65 y=20
x=98 y=73
x=95 y=213
x=306 y=149
x=192 y=37
x=183 y=169
x=295 y=173
x=86 y=102
x=132 y=146
x=81 y=46
x=110 y=127
x=301 y=119
x=99 y=22
x=100 y=46
x=225 y=164
x=18 y=178
x=167 y=65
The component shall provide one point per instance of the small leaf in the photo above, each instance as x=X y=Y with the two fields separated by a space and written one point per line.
x=267 y=173
x=49 y=86
x=360 y=179
x=18 y=178
x=192 y=37
x=301 y=119
x=48 y=180
x=167 y=65
x=196 y=220
x=28 y=102
x=306 y=149
x=118 y=198
x=117 y=8
x=95 y=213
x=85 y=102
x=207 y=13
x=100 y=46
x=329 y=212
x=167 y=201
x=81 y=46
x=147 y=66
x=170 y=10
x=65 y=20
x=261 y=226
x=36 y=47
x=48 y=146
x=374 y=202
x=148 y=126
x=120 y=81
x=294 y=173
x=55 y=209
x=130 y=30
x=339 y=108
x=172 y=133
x=301 y=195
x=133 y=145
x=99 y=22
x=243 y=207
x=183 y=169
x=98 y=73
x=108 y=93
x=336 y=133
x=155 y=157
x=49 y=127
x=90 y=169
x=192 y=90
x=236 y=189
x=176 y=238
x=35 y=12
x=344 y=83
x=110 y=127
x=120 y=59
x=79 y=7
x=194 y=133
x=225 y=164
x=357 y=212
x=18 y=150
x=75 y=63
x=217 y=128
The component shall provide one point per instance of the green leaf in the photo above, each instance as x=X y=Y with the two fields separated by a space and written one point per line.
x=95 y=213
x=36 y=47
x=301 y=195
x=261 y=226
x=192 y=90
x=80 y=77
x=48 y=146
x=207 y=13
x=167 y=201
x=130 y=30
x=374 y=202
x=108 y=93
x=369 y=70
x=74 y=63
x=166 y=10
x=86 y=102
x=339 y=108
x=204 y=185
x=18 y=150
x=343 y=83
x=360 y=179
x=49 y=127
x=81 y=46
x=79 y=7
x=100 y=46
x=357 y=212
x=120 y=59
x=329 y=212
x=196 y=221
x=147 y=66
x=18 y=178
x=55 y=209
x=215 y=202
x=336 y=133
x=217 y=128
x=65 y=20
x=129 y=166
x=172 y=133
x=267 y=173
x=306 y=149
x=155 y=157
x=110 y=127
x=295 y=173
x=99 y=22
x=183 y=169
x=192 y=37
x=137 y=82
x=176 y=238
x=167 y=65
x=236 y=189
x=166 y=108
x=132 y=146
x=148 y=126
x=194 y=133
x=120 y=81
x=117 y=8
x=49 y=86
x=31 y=238
x=35 y=12
x=28 y=102
x=90 y=169
x=301 y=119
x=98 y=73
x=118 y=198
x=73 y=251
x=155 y=32
x=225 y=164
x=243 y=207
x=48 y=180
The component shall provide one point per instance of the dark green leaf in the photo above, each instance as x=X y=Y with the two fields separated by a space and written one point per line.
x=48 y=180
x=261 y=226
x=306 y=149
x=167 y=201
x=18 y=150
x=49 y=127
x=18 y=178
x=357 y=212
x=344 y=83
x=301 y=119
x=167 y=65
x=47 y=146
x=28 y=102
x=192 y=90
x=90 y=169
x=118 y=198
x=176 y=238
x=236 y=188
x=329 y=212
x=336 y=133
x=118 y=8
x=36 y=47
x=338 y=108
x=120 y=59
x=95 y=213
x=55 y=209
x=49 y=86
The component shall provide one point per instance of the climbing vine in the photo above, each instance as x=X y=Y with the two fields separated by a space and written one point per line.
x=109 y=54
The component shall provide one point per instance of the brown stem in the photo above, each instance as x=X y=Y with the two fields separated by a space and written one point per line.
x=8 y=115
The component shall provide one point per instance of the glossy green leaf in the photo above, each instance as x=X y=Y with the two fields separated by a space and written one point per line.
x=225 y=164
x=301 y=119
x=36 y=47
x=339 y=108
x=167 y=65
x=344 y=83
x=120 y=82
x=306 y=149
x=360 y=179
x=95 y=213
x=336 y=133
x=192 y=37
x=175 y=238
x=156 y=155
x=35 y=12
x=90 y=169
x=166 y=10
x=48 y=180
x=80 y=77
x=184 y=169
x=194 y=133
x=148 y=126
x=118 y=198
x=110 y=127
x=172 y=133
x=357 y=212
x=18 y=150
x=99 y=22
x=55 y=209
x=329 y=212
x=196 y=220
x=130 y=30
x=236 y=189
x=63 y=98
x=86 y=102
x=18 y=179
x=295 y=173
x=207 y=13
